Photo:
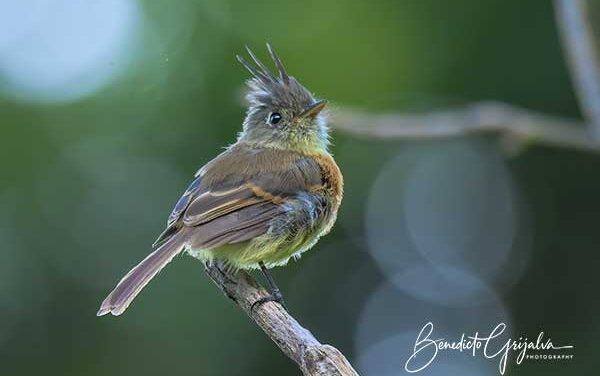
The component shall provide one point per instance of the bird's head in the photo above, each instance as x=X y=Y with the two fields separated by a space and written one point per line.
x=282 y=113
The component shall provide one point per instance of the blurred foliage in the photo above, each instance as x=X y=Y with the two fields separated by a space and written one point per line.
x=87 y=184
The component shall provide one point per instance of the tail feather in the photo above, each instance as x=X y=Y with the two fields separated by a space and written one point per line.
x=130 y=286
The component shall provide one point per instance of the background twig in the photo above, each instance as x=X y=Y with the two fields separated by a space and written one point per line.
x=512 y=124
x=299 y=344
x=578 y=42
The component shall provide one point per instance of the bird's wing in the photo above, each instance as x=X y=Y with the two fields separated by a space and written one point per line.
x=172 y=226
x=234 y=197
x=229 y=215
x=217 y=202
x=185 y=199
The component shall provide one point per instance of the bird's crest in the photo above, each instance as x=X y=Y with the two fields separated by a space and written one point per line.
x=268 y=89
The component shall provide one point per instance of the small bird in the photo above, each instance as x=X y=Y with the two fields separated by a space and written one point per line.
x=267 y=198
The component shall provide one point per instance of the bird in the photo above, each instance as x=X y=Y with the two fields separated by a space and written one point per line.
x=266 y=199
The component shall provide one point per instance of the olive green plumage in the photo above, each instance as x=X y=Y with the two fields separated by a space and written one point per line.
x=265 y=199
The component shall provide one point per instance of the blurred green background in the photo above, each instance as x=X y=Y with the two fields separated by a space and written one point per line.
x=107 y=108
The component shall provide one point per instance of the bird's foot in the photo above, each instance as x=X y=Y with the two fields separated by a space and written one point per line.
x=274 y=296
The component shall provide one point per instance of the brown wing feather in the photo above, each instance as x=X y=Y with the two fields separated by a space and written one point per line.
x=211 y=205
x=235 y=227
x=192 y=191
x=234 y=196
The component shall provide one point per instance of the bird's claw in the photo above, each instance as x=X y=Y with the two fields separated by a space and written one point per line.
x=274 y=296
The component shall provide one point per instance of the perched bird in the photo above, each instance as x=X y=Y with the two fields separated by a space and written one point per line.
x=267 y=198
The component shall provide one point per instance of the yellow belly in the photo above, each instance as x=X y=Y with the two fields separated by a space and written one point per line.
x=272 y=251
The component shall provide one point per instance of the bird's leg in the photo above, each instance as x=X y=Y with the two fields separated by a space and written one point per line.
x=273 y=289
x=275 y=294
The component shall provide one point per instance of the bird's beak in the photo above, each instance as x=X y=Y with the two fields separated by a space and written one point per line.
x=313 y=109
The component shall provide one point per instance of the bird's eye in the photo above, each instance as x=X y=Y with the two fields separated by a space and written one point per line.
x=274 y=118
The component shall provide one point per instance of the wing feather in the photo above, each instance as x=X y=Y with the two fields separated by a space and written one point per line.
x=230 y=202
x=210 y=205
x=236 y=227
x=185 y=199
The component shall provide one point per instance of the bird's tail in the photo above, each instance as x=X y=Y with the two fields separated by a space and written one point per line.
x=138 y=277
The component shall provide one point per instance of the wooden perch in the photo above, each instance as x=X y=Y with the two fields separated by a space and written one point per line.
x=312 y=357
x=514 y=125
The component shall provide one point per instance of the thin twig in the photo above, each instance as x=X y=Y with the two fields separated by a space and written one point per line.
x=299 y=344
x=514 y=125
x=577 y=38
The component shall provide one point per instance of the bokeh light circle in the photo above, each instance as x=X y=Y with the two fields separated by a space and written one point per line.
x=60 y=50
x=447 y=219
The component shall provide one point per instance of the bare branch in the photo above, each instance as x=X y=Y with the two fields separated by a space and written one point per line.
x=578 y=42
x=313 y=358
x=512 y=124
